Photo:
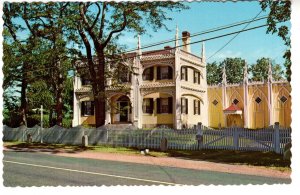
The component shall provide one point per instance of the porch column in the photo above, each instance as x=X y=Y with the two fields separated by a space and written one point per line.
x=177 y=96
x=107 y=113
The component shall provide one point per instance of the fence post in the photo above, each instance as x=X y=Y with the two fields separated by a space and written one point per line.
x=199 y=135
x=277 y=138
x=236 y=139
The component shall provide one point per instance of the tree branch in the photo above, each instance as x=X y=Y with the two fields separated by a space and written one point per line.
x=102 y=20
x=116 y=31
x=97 y=17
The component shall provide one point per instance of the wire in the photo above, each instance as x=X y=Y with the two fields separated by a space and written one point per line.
x=200 y=33
x=233 y=37
x=155 y=51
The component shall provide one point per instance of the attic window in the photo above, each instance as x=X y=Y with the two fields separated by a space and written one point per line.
x=235 y=101
x=283 y=99
x=215 y=102
x=258 y=100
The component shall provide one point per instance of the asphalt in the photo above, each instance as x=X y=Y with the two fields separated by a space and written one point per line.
x=37 y=169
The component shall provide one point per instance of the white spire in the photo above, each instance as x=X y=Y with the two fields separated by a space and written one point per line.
x=246 y=73
x=270 y=77
x=139 y=46
x=224 y=76
x=203 y=53
x=176 y=37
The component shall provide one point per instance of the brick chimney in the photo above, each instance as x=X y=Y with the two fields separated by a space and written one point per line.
x=167 y=47
x=186 y=40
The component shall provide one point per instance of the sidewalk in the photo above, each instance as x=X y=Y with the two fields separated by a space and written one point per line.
x=168 y=161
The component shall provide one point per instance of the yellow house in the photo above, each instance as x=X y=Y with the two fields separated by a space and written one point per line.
x=168 y=87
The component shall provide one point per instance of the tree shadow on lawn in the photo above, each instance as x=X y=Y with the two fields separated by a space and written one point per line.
x=44 y=147
x=254 y=158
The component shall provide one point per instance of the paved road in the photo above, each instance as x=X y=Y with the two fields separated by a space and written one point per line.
x=37 y=169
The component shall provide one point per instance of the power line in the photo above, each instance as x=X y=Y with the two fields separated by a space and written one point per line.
x=155 y=51
x=207 y=39
x=233 y=37
x=200 y=33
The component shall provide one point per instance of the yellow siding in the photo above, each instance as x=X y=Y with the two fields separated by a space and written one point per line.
x=282 y=110
x=215 y=112
x=88 y=120
x=152 y=120
x=190 y=119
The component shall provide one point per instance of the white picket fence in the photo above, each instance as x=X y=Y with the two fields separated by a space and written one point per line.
x=273 y=138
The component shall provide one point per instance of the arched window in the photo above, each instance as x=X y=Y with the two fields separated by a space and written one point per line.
x=148 y=74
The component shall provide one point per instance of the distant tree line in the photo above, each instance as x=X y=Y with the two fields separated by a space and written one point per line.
x=235 y=70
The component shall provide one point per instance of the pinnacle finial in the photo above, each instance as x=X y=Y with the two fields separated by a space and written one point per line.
x=139 y=51
x=203 y=52
x=176 y=37
x=270 y=77
x=224 y=75
x=246 y=72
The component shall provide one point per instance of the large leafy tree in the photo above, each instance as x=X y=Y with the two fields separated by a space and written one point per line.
x=280 y=11
x=259 y=71
x=234 y=69
x=214 y=73
x=99 y=24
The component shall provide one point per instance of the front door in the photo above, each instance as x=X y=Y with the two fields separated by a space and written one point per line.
x=124 y=111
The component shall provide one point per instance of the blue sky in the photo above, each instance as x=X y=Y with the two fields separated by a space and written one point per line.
x=201 y=16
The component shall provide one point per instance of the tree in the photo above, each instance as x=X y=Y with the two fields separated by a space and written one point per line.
x=44 y=53
x=214 y=73
x=234 y=69
x=99 y=24
x=280 y=11
x=260 y=70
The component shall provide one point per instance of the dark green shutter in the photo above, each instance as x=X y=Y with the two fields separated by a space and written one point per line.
x=158 y=76
x=158 y=105
x=151 y=73
x=186 y=73
x=92 y=107
x=151 y=105
x=181 y=105
x=82 y=108
x=187 y=106
x=199 y=107
x=170 y=72
x=195 y=111
x=195 y=76
x=170 y=104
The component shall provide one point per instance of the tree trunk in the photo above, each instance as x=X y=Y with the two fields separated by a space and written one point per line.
x=23 y=107
x=59 y=102
x=99 y=92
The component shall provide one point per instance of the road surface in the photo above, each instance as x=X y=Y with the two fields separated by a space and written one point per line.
x=37 y=169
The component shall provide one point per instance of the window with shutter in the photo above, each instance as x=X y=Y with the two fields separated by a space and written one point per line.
x=184 y=105
x=148 y=105
x=87 y=108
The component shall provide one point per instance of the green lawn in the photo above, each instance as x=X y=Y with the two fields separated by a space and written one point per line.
x=253 y=158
